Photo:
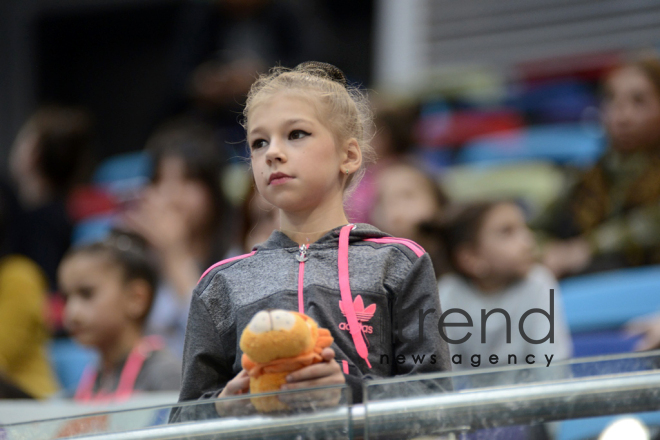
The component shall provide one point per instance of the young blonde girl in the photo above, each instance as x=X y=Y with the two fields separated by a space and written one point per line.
x=306 y=131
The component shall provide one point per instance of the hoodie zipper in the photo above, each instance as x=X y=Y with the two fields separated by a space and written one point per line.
x=301 y=257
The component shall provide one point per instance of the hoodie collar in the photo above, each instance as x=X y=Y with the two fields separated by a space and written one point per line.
x=279 y=240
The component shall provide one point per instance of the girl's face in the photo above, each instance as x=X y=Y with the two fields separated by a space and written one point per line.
x=404 y=201
x=95 y=291
x=505 y=245
x=190 y=198
x=631 y=110
x=295 y=160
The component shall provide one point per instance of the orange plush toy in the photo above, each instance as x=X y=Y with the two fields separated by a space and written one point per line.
x=275 y=343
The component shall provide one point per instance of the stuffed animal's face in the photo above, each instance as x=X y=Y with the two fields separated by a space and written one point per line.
x=277 y=334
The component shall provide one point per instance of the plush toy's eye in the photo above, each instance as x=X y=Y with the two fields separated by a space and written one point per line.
x=260 y=323
x=282 y=320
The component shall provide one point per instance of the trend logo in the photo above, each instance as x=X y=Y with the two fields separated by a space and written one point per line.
x=362 y=314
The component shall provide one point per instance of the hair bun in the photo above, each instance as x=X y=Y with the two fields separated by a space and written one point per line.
x=324 y=70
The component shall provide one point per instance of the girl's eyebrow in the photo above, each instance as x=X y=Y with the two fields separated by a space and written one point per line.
x=295 y=121
x=286 y=123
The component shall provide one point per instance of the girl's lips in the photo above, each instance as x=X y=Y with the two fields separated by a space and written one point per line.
x=280 y=180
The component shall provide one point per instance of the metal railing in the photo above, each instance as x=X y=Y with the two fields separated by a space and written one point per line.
x=522 y=404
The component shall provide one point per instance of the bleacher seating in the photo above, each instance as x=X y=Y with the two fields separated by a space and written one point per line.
x=566 y=144
x=119 y=179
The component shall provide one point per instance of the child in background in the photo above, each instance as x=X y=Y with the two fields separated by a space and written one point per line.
x=306 y=132
x=407 y=197
x=109 y=288
x=491 y=251
x=393 y=142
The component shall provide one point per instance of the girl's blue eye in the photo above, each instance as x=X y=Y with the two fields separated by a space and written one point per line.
x=258 y=144
x=298 y=134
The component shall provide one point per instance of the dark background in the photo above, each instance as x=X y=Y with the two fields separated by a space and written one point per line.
x=115 y=57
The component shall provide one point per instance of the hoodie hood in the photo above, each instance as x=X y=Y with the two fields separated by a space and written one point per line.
x=279 y=240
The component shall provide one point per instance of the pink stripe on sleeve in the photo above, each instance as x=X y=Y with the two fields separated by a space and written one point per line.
x=417 y=249
x=228 y=260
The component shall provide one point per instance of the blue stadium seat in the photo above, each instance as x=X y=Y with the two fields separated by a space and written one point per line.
x=561 y=100
x=608 y=300
x=603 y=342
x=92 y=229
x=69 y=360
x=597 y=306
x=123 y=167
x=124 y=175
x=572 y=144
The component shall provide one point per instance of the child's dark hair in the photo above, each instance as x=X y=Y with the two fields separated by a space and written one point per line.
x=128 y=252
x=460 y=226
x=64 y=142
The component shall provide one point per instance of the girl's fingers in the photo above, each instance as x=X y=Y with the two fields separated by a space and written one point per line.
x=328 y=354
x=322 y=369
x=238 y=385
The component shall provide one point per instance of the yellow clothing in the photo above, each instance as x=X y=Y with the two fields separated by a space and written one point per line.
x=23 y=332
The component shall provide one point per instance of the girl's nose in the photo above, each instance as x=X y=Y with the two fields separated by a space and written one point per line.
x=275 y=152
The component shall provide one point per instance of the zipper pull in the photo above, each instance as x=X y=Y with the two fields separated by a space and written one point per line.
x=302 y=256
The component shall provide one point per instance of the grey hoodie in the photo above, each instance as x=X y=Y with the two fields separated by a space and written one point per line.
x=391 y=286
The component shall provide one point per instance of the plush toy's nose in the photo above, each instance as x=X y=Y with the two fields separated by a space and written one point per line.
x=266 y=321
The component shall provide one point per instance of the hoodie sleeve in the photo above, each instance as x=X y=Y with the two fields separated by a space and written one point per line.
x=416 y=314
x=208 y=359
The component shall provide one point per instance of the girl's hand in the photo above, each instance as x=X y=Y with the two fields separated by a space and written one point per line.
x=648 y=329
x=239 y=385
x=567 y=257
x=324 y=373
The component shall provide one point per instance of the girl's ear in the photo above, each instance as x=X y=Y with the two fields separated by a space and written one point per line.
x=138 y=298
x=353 y=157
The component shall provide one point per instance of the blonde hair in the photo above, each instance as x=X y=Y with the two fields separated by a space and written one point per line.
x=346 y=107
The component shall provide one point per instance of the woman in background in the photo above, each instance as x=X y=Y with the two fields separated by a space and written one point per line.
x=611 y=217
x=185 y=218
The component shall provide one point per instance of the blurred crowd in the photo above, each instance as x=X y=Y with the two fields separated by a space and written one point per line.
x=506 y=196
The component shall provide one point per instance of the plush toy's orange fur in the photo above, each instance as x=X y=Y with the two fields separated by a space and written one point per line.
x=274 y=344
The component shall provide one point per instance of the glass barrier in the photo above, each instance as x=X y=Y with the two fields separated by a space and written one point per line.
x=320 y=413
x=574 y=400
x=517 y=402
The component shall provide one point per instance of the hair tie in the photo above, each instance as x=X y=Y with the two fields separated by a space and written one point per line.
x=323 y=70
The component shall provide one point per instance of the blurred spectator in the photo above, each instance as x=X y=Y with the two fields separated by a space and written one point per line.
x=407 y=197
x=49 y=156
x=24 y=367
x=491 y=253
x=611 y=217
x=185 y=218
x=392 y=143
x=109 y=288
x=260 y=220
x=222 y=45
